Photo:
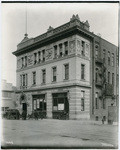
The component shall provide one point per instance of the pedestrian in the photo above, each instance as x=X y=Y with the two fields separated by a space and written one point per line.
x=103 y=120
x=41 y=115
x=24 y=114
x=36 y=115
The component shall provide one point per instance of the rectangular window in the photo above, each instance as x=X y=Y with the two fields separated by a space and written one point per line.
x=66 y=48
x=82 y=71
x=112 y=59
x=113 y=79
x=22 y=62
x=35 y=58
x=60 y=50
x=117 y=61
x=108 y=77
x=34 y=104
x=44 y=76
x=96 y=101
x=82 y=100
x=104 y=55
x=25 y=61
x=54 y=74
x=104 y=103
x=21 y=80
x=43 y=52
x=96 y=74
x=55 y=51
x=34 y=78
x=96 y=50
x=66 y=66
x=39 y=55
x=83 y=49
x=24 y=80
x=108 y=58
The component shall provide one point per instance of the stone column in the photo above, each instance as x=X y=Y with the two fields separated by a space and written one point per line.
x=36 y=57
x=58 y=53
x=49 y=104
x=72 y=103
x=41 y=56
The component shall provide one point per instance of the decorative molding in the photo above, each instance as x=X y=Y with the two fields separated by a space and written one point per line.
x=49 y=54
x=71 y=47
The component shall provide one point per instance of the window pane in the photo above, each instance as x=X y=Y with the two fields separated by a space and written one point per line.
x=44 y=75
x=66 y=72
x=82 y=71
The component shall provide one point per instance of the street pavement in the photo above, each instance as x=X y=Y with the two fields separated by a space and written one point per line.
x=53 y=133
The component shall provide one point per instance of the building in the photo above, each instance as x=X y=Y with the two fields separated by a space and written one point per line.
x=105 y=78
x=59 y=71
x=8 y=96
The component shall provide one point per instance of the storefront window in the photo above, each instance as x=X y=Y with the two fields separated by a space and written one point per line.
x=39 y=102
x=60 y=102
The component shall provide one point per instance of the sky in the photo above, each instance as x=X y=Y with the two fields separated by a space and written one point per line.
x=102 y=17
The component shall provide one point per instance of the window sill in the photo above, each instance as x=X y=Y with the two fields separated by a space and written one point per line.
x=54 y=82
x=83 y=80
x=43 y=83
x=65 y=80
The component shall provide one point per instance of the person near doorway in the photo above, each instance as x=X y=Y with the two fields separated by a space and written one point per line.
x=24 y=115
x=36 y=115
x=103 y=120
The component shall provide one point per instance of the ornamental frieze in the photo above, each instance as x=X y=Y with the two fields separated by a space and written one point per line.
x=78 y=46
x=49 y=53
x=19 y=63
x=72 y=46
x=30 y=59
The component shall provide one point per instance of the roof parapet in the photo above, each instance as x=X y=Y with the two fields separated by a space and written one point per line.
x=75 y=20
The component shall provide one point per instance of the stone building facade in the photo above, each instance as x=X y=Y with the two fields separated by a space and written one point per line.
x=56 y=71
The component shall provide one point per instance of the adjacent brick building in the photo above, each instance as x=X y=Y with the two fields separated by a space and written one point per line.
x=62 y=71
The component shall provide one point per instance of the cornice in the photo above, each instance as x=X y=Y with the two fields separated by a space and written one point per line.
x=54 y=87
x=53 y=38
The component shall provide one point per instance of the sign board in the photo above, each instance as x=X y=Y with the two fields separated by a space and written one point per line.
x=60 y=106
x=37 y=103
x=34 y=104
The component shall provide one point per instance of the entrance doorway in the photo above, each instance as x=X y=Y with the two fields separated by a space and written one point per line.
x=24 y=107
x=39 y=105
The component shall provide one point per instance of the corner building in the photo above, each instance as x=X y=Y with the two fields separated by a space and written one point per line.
x=55 y=71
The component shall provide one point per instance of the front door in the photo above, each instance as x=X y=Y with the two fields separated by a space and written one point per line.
x=24 y=107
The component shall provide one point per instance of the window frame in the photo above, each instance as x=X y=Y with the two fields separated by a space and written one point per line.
x=82 y=71
x=54 y=79
x=43 y=76
x=96 y=101
x=66 y=71
x=34 y=77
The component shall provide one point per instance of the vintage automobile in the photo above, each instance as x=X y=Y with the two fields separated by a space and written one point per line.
x=12 y=114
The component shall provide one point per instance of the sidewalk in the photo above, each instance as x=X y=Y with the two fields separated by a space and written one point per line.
x=85 y=122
